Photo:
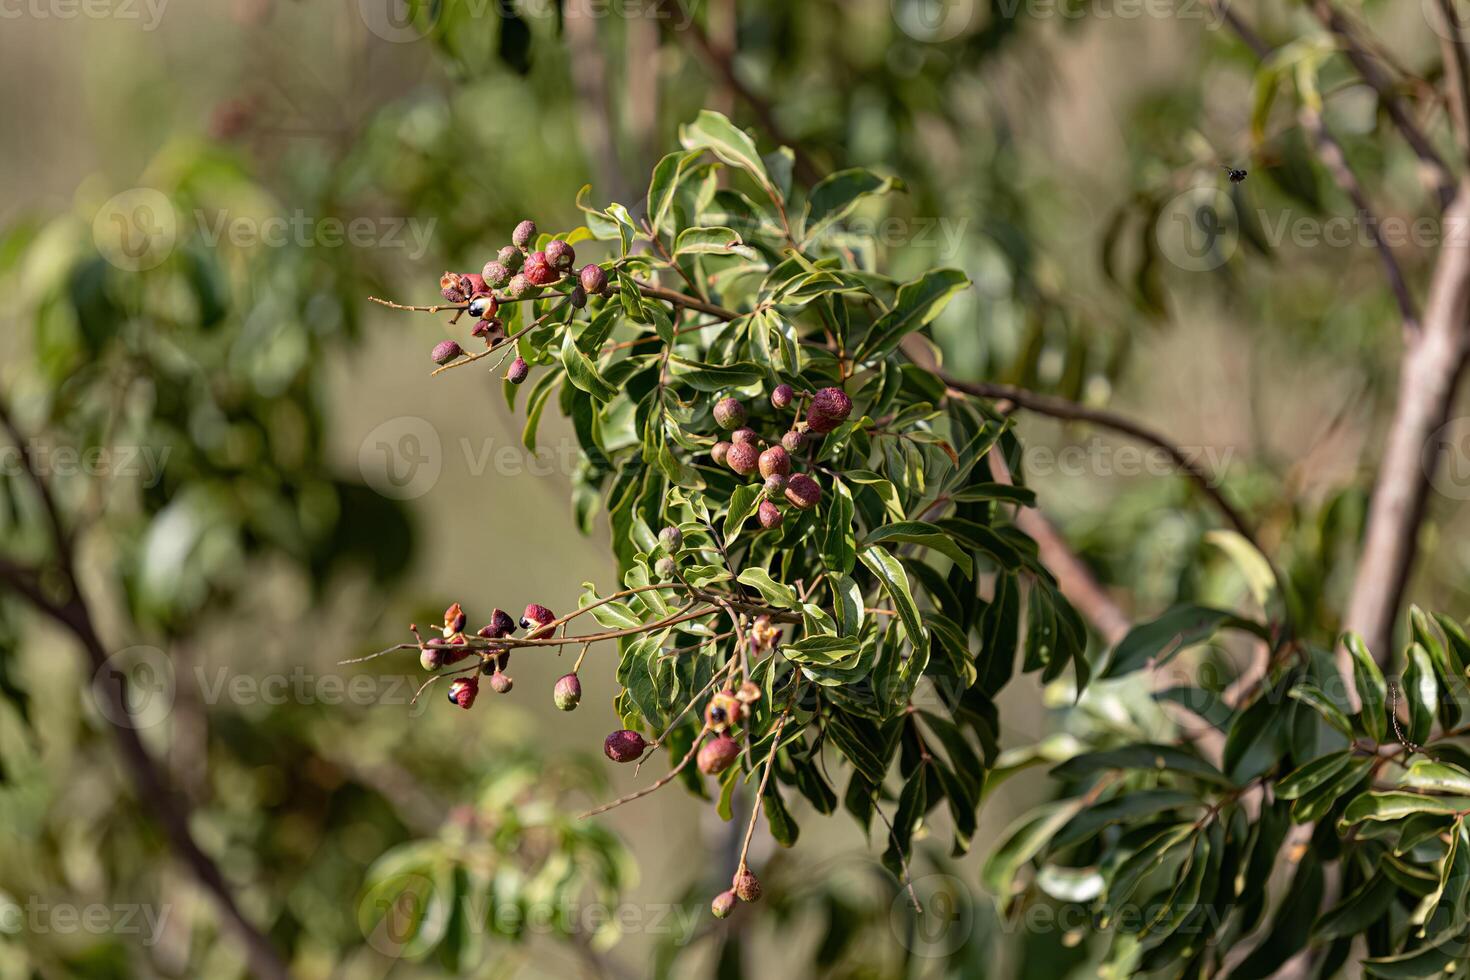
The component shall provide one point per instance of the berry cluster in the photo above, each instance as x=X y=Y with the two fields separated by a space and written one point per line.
x=742 y=453
x=454 y=646
x=518 y=272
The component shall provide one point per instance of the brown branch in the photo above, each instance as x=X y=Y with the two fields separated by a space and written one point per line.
x=1366 y=65
x=1330 y=152
x=1457 y=73
x=1061 y=408
x=659 y=784
x=1429 y=376
x=150 y=784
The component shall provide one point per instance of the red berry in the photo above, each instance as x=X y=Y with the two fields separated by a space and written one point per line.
x=769 y=515
x=720 y=453
x=782 y=396
x=539 y=270
x=775 y=461
x=536 y=615
x=624 y=746
x=803 y=492
x=745 y=435
x=472 y=283
x=716 y=755
x=830 y=407
x=517 y=371
x=463 y=691
x=446 y=351
x=743 y=458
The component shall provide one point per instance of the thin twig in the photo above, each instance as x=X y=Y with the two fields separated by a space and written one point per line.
x=662 y=781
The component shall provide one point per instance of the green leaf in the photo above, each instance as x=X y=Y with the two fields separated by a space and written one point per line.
x=1393 y=805
x=1421 y=691
x=582 y=372
x=917 y=303
x=836 y=196
x=821 y=651
x=772 y=591
x=1254 y=567
x=1312 y=775
x=889 y=571
x=664 y=186
x=1158 y=641
x=925 y=535
x=1372 y=691
x=1145 y=757
x=714 y=132
x=1023 y=840
x=743 y=502
x=1436 y=777
x=712 y=241
x=1310 y=694
x=714 y=377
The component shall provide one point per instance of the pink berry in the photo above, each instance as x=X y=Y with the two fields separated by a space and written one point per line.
x=769 y=515
x=723 y=905
x=716 y=755
x=782 y=395
x=743 y=458
x=803 y=492
x=517 y=371
x=775 y=461
x=446 y=351
x=560 y=254
x=593 y=279
x=568 y=692
x=830 y=407
x=524 y=234
x=729 y=413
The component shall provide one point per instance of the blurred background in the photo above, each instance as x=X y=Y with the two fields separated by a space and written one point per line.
x=196 y=201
